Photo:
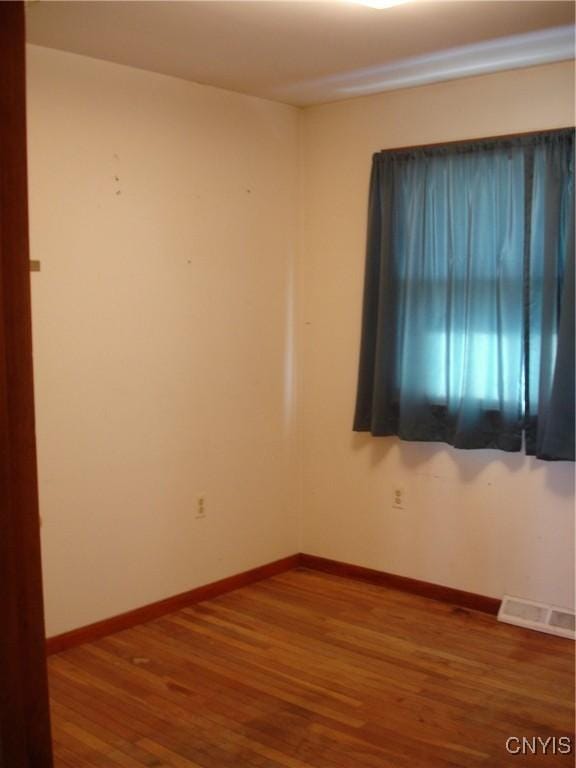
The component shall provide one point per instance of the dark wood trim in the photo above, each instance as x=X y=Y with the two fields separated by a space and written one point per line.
x=152 y=611
x=24 y=713
x=169 y=605
x=403 y=583
x=463 y=142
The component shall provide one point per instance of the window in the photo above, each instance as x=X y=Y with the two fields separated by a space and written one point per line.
x=468 y=322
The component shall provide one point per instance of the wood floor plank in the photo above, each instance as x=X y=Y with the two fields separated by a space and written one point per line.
x=310 y=670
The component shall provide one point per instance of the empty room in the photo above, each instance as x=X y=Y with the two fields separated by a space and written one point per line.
x=287 y=375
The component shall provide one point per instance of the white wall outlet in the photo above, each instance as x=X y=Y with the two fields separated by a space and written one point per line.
x=398 y=498
x=200 y=506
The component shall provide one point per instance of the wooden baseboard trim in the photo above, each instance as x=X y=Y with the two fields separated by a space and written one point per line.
x=100 y=629
x=146 y=613
x=458 y=597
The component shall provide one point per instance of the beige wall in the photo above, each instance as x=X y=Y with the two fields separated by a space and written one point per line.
x=164 y=216
x=181 y=348
x=481 y=521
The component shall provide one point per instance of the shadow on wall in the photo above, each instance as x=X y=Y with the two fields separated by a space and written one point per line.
x=467 y=465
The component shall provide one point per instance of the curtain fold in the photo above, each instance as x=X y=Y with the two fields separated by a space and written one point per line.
x=468 y=330
x=551 y=402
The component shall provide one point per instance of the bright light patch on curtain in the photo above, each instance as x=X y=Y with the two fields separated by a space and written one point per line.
x=472 y=363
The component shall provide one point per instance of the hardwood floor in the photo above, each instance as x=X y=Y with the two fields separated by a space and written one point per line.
x=311 y=670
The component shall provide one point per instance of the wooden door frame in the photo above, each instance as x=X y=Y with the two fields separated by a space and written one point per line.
x=24 y=711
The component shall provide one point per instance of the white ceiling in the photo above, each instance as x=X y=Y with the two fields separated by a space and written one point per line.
x=305 y=52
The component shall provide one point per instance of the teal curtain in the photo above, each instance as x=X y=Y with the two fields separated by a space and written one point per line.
x=468 y=320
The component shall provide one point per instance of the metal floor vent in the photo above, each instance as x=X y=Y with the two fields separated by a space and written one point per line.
x=539 y=616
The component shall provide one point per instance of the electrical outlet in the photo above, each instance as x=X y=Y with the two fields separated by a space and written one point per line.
x=200 y=507
x=398 y=498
